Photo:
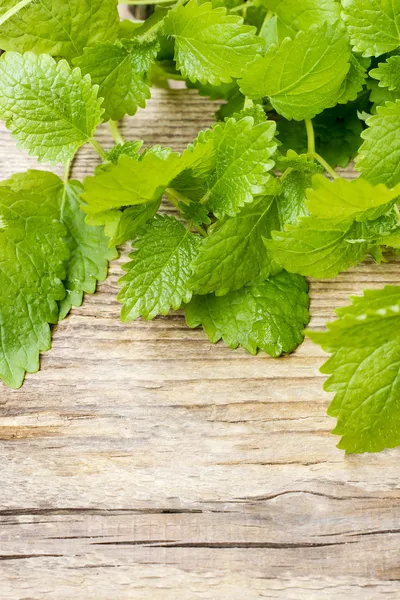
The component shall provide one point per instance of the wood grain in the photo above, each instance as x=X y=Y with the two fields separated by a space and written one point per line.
x=142 y=462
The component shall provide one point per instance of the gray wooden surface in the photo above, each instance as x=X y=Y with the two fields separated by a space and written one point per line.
x=144 y=463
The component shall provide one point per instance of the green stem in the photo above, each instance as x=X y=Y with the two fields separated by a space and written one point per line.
x=397 y=212
x=286 y=173
x=240 y=7
x=115 y=132
x=199 y=228
x=171 y=195
x=67 y=169
x=175 y=197
x=205 y=198
x=267 y=18
x=310 y=136
x=323 y=162
x=100 y=151
x=311 y=150
x=10 y=13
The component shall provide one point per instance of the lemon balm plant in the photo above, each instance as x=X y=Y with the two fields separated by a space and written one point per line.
x=307 y=86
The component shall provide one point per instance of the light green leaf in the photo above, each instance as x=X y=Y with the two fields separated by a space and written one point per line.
x=59 y=27
x=291 y=201
x=197 y=161
x=342 y=198
x=210 y=46
x=129 y=148
x=373 y=25
x=392 y=240
x=297 y=162
x=88 y=246
x=364 y=370
x=379 y=95
x=320 y=247
x=158 y=274
x=234 y=254
x=379 y=157
x=242 y=155
x=303 y=76
x=129 y=182
x=292 y=17
x=388 y=74
x=228 y=165
x=269 y=315
x=89 y=250
x=130 y=221
x=49 y=108
x=32 y=255
x=354 y=80
x=120 y=71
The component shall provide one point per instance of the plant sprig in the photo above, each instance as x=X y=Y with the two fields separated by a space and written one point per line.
x=259 y=202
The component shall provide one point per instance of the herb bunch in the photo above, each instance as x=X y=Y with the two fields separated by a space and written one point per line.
x=307 y=87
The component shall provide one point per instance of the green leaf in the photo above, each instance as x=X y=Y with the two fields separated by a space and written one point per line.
x=379 y=157
x=49 y=108
x=388 y=74
x=128 y=222
x=242 y=155
x=199 y=155
x=302 y=76
x=120 y=71
x=292 y=17
x=269 y=315
x=291 y=201
x=297 y=162
x=320 y=247
x=89 y=250
x=88 y=246
x=210 y=46
x=354 y=81
x=364 y=370
x=373 y=25
x=32 y=255
x=129 y=148
x=59 y=27
x=228 y=165
x=342 y=198
x=195 y=212
x=129 y=182
x=197 y=161
x=158 y=274
x=379 y=96
x=234 y=254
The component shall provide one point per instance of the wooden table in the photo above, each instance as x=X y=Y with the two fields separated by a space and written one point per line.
x=144 y=463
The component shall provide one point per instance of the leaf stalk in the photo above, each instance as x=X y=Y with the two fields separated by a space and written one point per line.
x=115 y=132
x=14 y=10
x=100 y=151
x=310 y=136
x=323 y=162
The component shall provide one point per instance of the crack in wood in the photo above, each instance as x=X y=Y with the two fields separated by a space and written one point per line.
x=223 y=545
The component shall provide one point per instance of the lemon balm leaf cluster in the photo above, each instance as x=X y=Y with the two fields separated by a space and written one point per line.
x=306 y=87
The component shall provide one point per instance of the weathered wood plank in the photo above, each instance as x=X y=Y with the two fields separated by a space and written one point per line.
x=142 y=462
